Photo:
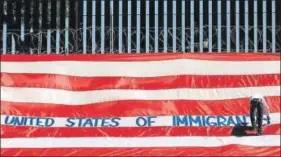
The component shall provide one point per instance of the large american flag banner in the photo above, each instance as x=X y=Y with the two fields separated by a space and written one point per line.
x=137 y=105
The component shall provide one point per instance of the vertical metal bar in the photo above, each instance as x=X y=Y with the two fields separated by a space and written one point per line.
x=22 y=20
x=219 y=25
x=264 y=12
x=22 y=32
x=192 y=26
x=14 y=18
x=201 y=25
x=210 y=26
x=66 y=39
x=120 y=42
x=4 y=38
x=111 y=26
x=77 y=23
x=102 y=26
x=147 y=27
x=138 y=25
x=165 y=26
x=48 y=41
x=93 y=26
x=174 y=25
x=129 y=25
x=237 y=17
x=58 y=41
x=40 y=26
x=85 y=26
x=228 y=34
x=13 y=45
x=246 y=26
x=273 y=21
x=49 y=27
x=156 y=27
x=58 y=28
x=255 y=25
x=31 y=22
x=183 y=26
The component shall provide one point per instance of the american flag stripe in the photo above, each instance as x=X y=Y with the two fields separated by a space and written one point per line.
x=137 y=108
x=143 y=69
x=228 y=150
x=131 y=121
x=146 y=57
x=57 y=96
x=74 y=83
x=128 y=86
x=177 y=151
x=27 y=131
x=139 y=142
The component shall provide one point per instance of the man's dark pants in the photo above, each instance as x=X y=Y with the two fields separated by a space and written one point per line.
x=256 y=105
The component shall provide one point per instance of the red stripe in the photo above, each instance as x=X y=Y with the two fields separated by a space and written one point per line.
x=137 y=108
x=230 y=150
x=26 y=131
x=141 y=57
x=168 y=82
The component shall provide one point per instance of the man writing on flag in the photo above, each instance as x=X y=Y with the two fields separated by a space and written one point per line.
x=260 y=107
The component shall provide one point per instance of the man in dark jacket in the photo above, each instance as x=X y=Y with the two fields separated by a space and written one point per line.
x=258 y=108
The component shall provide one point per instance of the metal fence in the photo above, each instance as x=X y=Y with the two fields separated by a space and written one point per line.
x=139 y=26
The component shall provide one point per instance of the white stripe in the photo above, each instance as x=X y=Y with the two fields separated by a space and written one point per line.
x=118 y=142
x=58 y=96
x=145 y=69
x=158 y=121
